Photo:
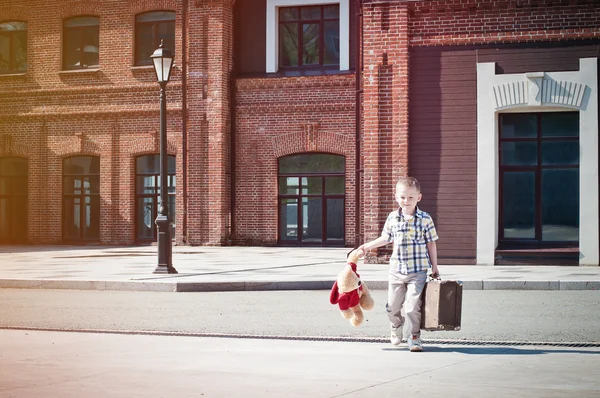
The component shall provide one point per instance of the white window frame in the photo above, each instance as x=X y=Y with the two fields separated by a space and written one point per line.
x=528 y=92
x=273 y=34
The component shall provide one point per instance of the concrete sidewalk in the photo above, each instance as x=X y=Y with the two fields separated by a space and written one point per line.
x=239 y=268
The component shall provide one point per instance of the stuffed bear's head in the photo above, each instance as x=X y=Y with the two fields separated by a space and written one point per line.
x=348 y=280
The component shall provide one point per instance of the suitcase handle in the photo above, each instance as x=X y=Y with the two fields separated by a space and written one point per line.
x=432 y=277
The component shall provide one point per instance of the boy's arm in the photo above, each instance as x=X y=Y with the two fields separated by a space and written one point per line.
x=374 y=244
x=432 y=250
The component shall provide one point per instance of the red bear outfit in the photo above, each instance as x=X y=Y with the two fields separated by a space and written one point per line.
x=345 y=300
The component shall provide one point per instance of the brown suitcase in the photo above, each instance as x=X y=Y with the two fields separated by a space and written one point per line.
x=442 y=305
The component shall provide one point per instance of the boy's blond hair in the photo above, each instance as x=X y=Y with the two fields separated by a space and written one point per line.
x=408 y=182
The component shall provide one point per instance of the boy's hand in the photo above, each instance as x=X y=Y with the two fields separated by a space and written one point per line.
x=435 y=272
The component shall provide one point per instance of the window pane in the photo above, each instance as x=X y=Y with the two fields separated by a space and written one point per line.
x=560 y=205
x=331 y=11
x=171 y=165
x=288 y=44
x=82 y=21
x=19 y=186
x=288 y=14
x=81 y=165
x=145 y=218
x=71 y=50
x=166 y=32
x=518 y=125
x=72 y=217
x=18 y=220
x=20 y=50
x=172 y=214
x=288 y=219
x=560 y=152
x=145 y=185
x=312 y=219
x=519 y=153
x=13 y=167
x=155 y=16
x=92 y=185
x=92 y=217
x=519 y=205
x=335 y=185
x=289 y=185
x=312 y=163
x=560 y=124
x=311 y=12
x=312 y=186
x=148 y=164
x=331 y=41
x=171 y=184
x=13 y=26
x=335 y=219
x=144 y=44
x=91 y=40
x=4 y=53
x=310 y=40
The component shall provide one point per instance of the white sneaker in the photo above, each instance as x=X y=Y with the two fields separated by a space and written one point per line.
x=414 y=344
x=396 y=335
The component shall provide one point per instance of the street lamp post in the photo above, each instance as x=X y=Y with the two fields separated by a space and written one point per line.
x=163 y=61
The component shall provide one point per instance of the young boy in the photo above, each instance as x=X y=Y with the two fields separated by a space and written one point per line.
x=415 y=250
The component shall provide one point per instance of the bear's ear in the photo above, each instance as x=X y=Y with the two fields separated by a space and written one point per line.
x=334 y=296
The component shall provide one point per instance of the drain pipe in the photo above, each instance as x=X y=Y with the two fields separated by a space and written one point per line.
x=232 y=125
x=358 y=58
x=184 y=113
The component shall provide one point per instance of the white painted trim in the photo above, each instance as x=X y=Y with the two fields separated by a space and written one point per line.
x=537 y=92
x=273 y=37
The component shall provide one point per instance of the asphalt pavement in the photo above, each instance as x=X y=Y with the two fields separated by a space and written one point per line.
x=239 y=268
x=59 y=364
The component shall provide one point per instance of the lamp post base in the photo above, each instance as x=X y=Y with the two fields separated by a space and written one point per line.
x=164 y=269
x=165 y=262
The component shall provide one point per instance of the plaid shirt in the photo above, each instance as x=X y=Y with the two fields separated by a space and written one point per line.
x=410 y=237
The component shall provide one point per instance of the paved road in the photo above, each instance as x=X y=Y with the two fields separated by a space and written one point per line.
x=534 y=316
x=75 y=365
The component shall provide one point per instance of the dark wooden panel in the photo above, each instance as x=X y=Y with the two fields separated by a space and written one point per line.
x=251 y=36
x=443 y=144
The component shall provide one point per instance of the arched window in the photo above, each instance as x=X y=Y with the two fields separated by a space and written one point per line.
x=311 y=199
x=150 y=29
x=13 y=200
x=81 y=198
x=147 y=195
x=13 y=47
x=81 y=42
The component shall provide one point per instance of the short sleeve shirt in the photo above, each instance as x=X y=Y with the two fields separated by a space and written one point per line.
x=410 y=237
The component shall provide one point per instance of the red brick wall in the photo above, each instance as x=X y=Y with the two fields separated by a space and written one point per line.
x=385 y=110
x=457 y=22
x=274 y=118
x=111 y=113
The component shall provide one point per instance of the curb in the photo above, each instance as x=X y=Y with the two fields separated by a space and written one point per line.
x=169 y=286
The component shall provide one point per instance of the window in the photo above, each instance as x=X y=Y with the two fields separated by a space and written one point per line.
x=81 y=42
x=309 y=36
x=13 y=200
x=539 y=177
x=81 y=198
x=13 y=47
x=150 y=29
x=311 y=199
x=308 y=33
x=147 y=195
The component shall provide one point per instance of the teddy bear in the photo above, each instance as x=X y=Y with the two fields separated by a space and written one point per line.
x=350 y=293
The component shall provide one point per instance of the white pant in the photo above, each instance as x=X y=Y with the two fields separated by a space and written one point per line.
x=404 y=291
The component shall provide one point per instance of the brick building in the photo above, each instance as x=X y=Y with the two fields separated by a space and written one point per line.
x=290 y=120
